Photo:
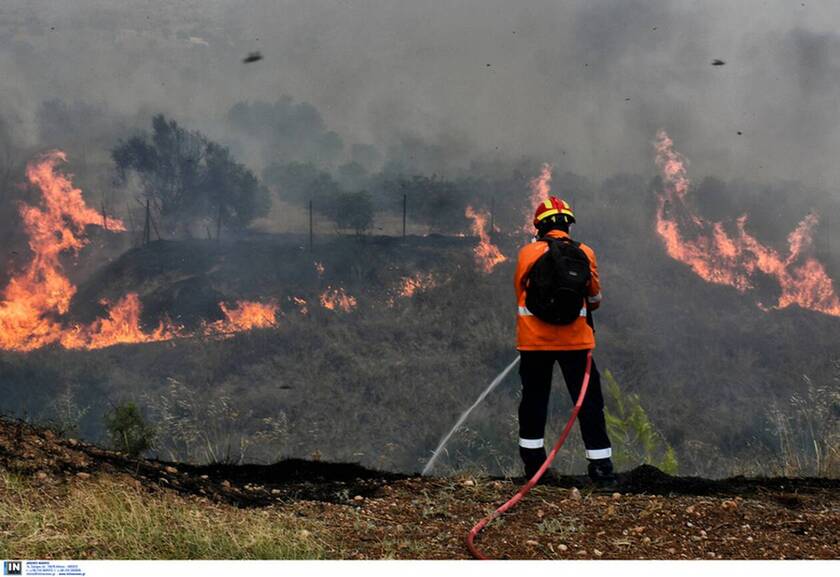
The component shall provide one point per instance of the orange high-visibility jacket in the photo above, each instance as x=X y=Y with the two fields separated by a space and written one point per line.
x=532 y=334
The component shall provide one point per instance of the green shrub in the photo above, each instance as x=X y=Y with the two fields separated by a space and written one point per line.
x=634 y=438
x=128 y=429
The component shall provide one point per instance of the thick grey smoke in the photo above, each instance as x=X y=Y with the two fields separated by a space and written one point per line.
x=583 y=83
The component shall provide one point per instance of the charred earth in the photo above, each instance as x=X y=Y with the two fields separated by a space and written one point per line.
x=345 y=511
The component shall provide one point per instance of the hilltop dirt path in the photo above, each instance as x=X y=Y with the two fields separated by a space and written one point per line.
x=362 y=514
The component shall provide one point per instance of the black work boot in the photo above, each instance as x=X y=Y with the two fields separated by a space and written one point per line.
x=601 y=472
x=533 y=460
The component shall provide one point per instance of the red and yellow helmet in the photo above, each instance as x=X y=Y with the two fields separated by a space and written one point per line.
x=551 y=207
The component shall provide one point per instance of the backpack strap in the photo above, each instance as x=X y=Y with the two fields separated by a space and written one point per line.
x=550 y=239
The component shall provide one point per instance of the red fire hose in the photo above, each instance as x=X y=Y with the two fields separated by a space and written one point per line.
x=511 y=503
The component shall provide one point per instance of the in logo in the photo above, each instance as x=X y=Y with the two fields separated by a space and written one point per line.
x=12 y=568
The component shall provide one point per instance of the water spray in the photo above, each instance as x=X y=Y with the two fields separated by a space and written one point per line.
x=499 y=378
x=535 y=479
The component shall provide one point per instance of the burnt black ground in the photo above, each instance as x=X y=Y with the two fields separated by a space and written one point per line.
x=29 y=449
x=647 y=479
x=359 y=513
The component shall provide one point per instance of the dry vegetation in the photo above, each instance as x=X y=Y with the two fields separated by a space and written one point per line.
x=118 y=518
x=382 y=384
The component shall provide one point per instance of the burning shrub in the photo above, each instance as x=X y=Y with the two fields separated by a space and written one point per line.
x=337 y=299
x=411 y=285
x=128 y=429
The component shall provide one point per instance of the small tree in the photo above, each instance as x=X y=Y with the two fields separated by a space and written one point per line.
x=353 y=211
x=128 y=429
x=187 y=177
x=635 y=440
x=434 y=201
x=231 y=188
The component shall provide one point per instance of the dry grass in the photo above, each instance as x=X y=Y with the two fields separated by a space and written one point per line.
x=808 y=431
x=105 y=519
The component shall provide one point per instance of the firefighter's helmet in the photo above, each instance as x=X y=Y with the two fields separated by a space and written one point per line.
x=553 y=206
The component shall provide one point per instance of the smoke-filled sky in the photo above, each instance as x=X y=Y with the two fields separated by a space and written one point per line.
x=584 y=83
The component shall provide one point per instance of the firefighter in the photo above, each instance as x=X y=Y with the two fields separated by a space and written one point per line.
x=542 y=343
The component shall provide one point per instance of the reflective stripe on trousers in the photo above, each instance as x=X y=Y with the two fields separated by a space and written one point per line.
x=531 y=443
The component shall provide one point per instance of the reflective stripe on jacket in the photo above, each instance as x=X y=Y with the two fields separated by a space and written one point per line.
x=532 y=334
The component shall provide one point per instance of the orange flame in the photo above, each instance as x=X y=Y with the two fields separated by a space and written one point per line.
x=122 y=326
x=411 y=285
x=415 y=283
x=34 y=300
x=337 y=299
x=245 y=316
x=540 y=191
x=302 y=305
x=717 y=257
x=487 y=255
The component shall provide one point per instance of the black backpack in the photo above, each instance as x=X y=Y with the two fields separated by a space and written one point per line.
x=557 y=282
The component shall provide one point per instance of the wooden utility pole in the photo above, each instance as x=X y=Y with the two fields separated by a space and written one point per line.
x=405 y=209
x=310 y=226
x=104 y=217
